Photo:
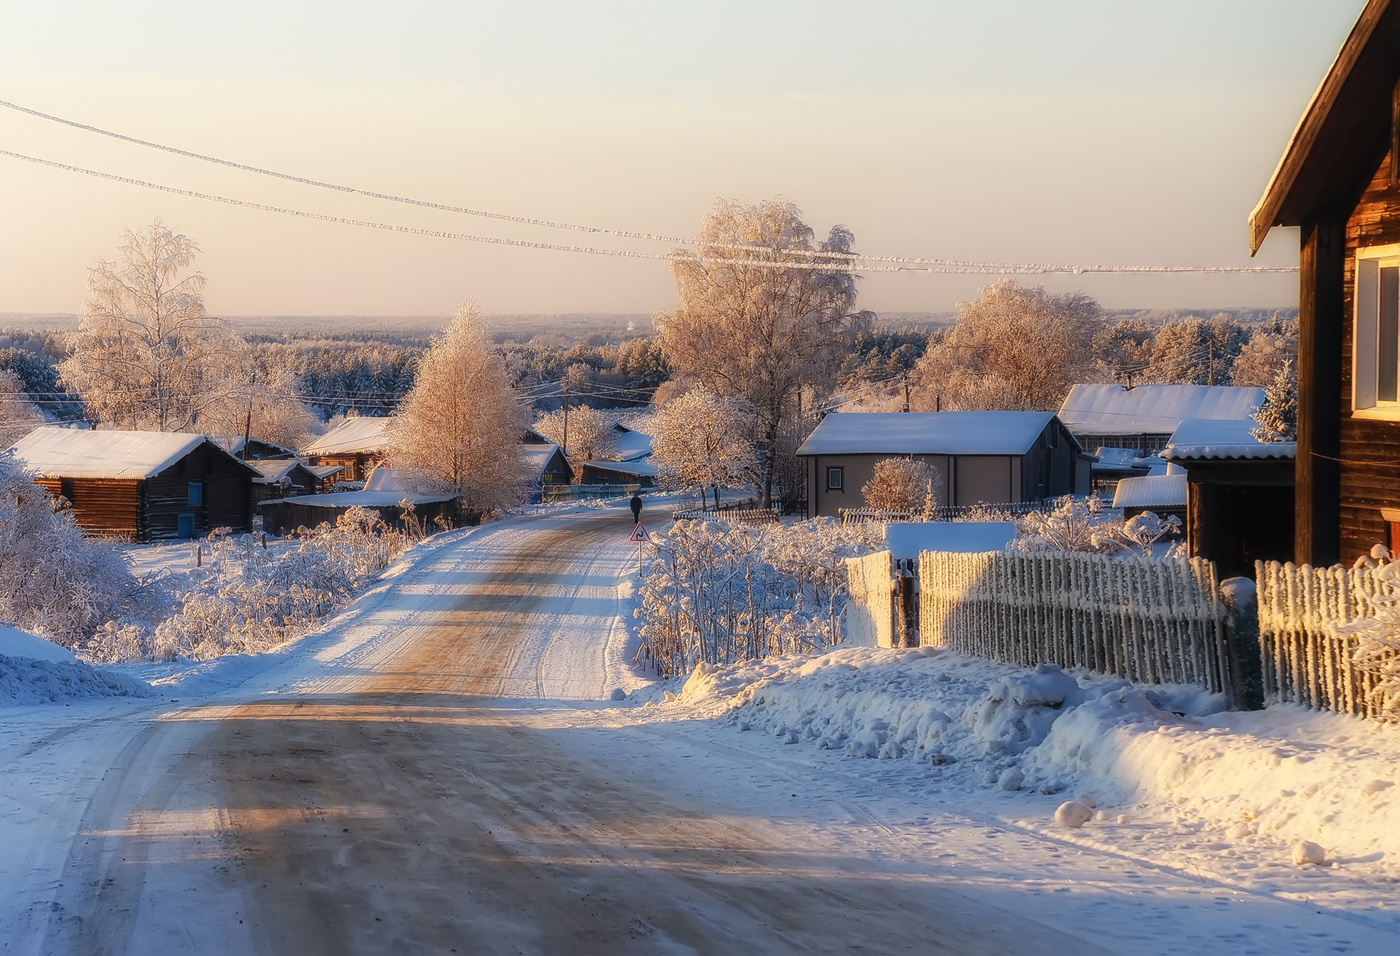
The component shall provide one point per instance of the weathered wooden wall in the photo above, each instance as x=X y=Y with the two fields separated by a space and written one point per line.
x=101 y=506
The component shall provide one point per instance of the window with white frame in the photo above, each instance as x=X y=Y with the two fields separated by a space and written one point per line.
x=835 y=479
x=1376 y=352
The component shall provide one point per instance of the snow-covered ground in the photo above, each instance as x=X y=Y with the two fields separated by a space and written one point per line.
x=908 y=768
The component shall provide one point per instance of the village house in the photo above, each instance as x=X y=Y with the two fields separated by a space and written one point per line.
x=996 y=457
x=547 y=465
x=1339 y=182
x=143 y=486
x=1142 y=418
x=356 y=445
x=286 y=477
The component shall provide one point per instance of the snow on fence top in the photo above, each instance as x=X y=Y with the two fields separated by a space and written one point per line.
x=55 y=452
x=926 y=433
x=1153 y=409
x=1151 y=491
x=1223 y=439
x=352 y=435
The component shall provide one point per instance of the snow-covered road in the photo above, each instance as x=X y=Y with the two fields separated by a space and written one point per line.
x=441 y=770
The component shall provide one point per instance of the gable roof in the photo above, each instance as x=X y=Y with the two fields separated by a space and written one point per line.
x=538 y=455
x=365 y=434
x=926 y=433
x=1343 y=132
x=56 y=452
x=1153 y=409
x=274 y=470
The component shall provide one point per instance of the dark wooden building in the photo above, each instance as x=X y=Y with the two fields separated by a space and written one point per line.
x=357 y=445
x=1239 y=495
x=1339 y=182
x=992 y=456
x=284 y=478
x=142 y=486
x=384 y=494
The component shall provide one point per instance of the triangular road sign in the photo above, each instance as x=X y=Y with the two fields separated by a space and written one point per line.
x=639 y=533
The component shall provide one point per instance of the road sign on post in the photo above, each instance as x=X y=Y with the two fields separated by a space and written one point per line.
x=639 y=535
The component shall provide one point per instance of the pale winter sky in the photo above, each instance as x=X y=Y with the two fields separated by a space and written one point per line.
x=1078 y=131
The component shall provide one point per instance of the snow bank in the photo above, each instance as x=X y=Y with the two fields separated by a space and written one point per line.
x=1263 y=781
x=17 y=643
x=25 y=680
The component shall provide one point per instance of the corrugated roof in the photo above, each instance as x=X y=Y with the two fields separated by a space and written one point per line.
x=353 y=435
x=1201 y=440
x=1151 y=491
x=1153 y=409
x=55 y=452
x=926 y=433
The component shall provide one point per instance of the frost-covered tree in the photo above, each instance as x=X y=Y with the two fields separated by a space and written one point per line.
x=903 y=484
x=1012 y=348
x=146 y=355
x=761 y=331
x=1278 y=416
x=701 y=440
x=56 y=582
x=18 y=415
x=590 y=433
x=1269 y=347
x=459 y=429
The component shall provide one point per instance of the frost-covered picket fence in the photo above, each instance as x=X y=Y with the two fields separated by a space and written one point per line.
x=870 y=612
x=977 y=512
x=1307 y=660
x=1156 y=621
x=746 y=516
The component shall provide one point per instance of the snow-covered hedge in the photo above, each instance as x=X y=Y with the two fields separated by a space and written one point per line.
x=55 y=582
x=718 y=592
x=247 y=599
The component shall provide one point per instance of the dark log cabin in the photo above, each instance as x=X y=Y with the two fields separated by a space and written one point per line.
x=1339 y=182
x=142 y=486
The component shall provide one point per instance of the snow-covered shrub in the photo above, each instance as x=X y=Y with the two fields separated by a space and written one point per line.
x=56 y=582
x=1378 y=636
x=247 y=599
x=1087 y=525
x=717 y=593
x=903 y=484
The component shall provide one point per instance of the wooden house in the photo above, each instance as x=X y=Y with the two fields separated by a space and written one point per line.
x=357 y=445
x=1142 y=418
x=626 y=473
x=141 y=485
x=1339 y=182
x=284 y=478
x=1239 y=494
x=995 y=457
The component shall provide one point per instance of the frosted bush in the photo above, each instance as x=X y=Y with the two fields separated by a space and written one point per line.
x=1087 y=525
x=719 y=593
x=57 y=583
x=903 y=484
x=1378 y=636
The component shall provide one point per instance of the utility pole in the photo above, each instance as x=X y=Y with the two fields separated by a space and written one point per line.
x=566 y=419
x=906 y=393
x=1210 y=362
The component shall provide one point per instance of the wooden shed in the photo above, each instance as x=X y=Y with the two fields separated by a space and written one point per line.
x=141 y=485
x=1339 y=182
x=284 y=478
x=996 y=457
x=357 y=445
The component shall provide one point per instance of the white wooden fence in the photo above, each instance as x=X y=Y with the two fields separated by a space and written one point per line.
x=1150 y=621
x=870 y=611
x=1305 y=660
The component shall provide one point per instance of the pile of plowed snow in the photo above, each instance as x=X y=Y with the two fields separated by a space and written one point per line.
x=36 y=671
x=1278 y=776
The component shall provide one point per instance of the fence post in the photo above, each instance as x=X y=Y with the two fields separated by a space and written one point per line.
x=907 y=603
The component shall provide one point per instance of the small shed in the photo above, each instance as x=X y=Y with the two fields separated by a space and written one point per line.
x=1239 y=494
x=1143 y=417
x=996 y=457
x=547 y=465
x=284 y=478
x=384 y=494
x=1163 y=495
x=357 y=445
x=141 y=485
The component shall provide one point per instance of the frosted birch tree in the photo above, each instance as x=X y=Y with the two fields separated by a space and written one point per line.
x=701 y=440
x=459 y=429
x=586 y=434
x=146 y=355
x=1012 y=348
x=761 y=331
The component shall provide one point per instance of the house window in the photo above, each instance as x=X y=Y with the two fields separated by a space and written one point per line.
x=835 y=479
x=196 y=494
x=1376 y=350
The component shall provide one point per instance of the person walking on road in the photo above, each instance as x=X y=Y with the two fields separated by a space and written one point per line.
x=636 y=509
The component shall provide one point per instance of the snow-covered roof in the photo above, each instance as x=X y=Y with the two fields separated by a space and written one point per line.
x=642 y=469
x=538 y=456
x=387 y=480
x=631 y=444
x=273 y=470
x=1151 y=491
x=56 y=452
x=325 y=471
x=1153 y=409
x=1210 y=439
x=906 y=539
x=352 y=435
x=926 y=433
x=365 y=499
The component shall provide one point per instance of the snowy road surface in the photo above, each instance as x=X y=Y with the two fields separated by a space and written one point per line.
x=441 y=771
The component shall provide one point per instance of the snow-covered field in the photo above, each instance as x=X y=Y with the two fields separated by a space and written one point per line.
x=915 y=768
